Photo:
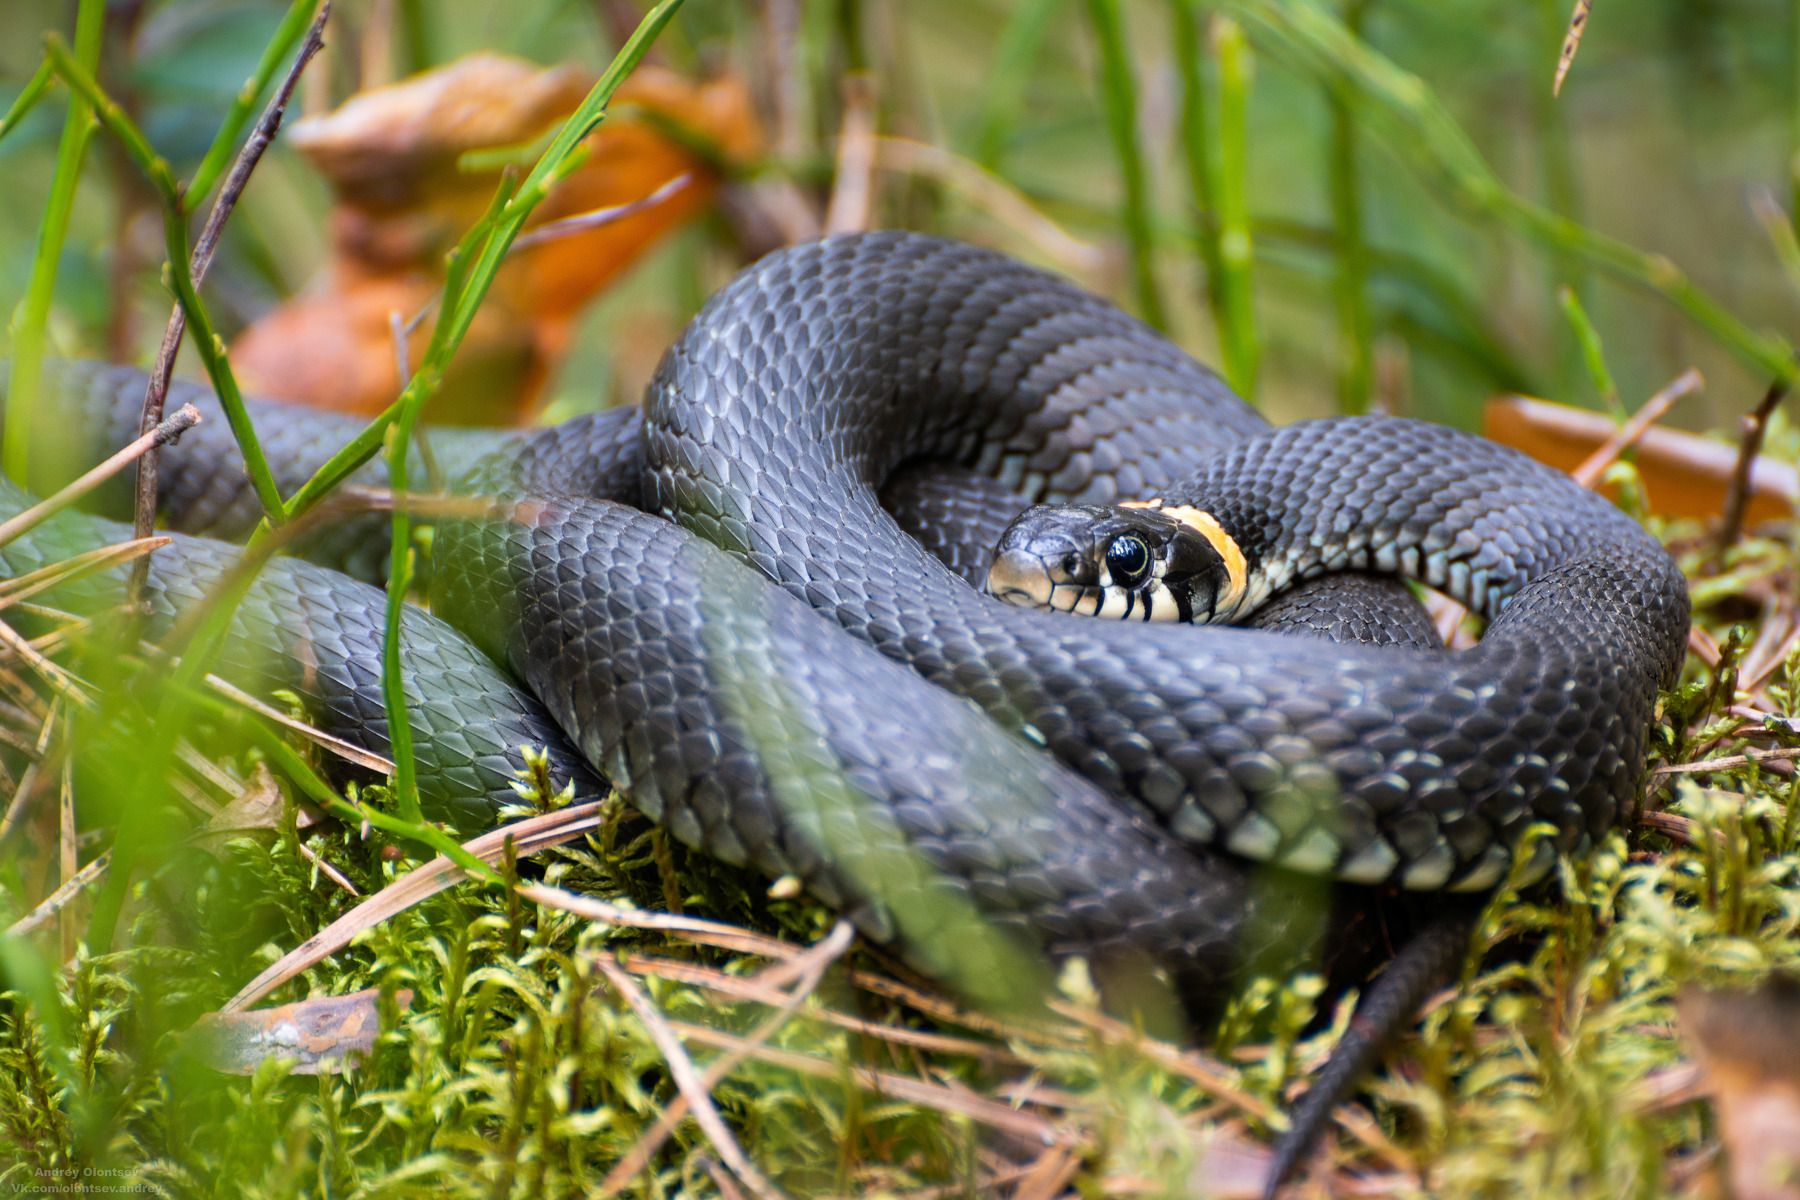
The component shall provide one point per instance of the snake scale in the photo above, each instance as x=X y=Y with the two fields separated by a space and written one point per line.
x=974 y=782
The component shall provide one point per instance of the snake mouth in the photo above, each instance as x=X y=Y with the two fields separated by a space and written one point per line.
x=1020 y=577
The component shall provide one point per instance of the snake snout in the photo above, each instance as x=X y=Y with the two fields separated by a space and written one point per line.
x=1020 y=576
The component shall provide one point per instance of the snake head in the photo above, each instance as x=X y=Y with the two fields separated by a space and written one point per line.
x=1121 y=561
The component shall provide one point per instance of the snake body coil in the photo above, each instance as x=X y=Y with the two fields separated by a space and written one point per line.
x=741 y=717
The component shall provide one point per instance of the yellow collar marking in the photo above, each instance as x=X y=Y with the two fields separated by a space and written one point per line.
x=1237 y=575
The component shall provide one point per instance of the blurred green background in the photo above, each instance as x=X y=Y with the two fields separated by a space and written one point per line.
x=1679 y=117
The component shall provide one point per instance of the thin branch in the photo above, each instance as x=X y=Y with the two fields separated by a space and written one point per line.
x=1749 y=445
x=166 y=430
x=156 y=390
x=336 y=745
x=74 y=690
x=687 y=1078
x=1004 y=202
x=330 y=872
x=1635 y=426
x=996 y=1114
x=765 y=988
x=712 y=933
x=207 y=342
x=34 y=771
x=27 y=99
x=238 y=115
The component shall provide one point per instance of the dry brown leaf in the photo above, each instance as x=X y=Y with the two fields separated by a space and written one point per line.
x=1744 y=1043
x=320 y=1035
x=1684 y=475
x=257 y=806
x=392 y=156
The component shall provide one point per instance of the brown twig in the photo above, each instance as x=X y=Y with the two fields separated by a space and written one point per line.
x=810 y=968
x=167 y=429
x=330 y=872
x=1749 y=444
x=34 y=770
x=76 y=691
x=1669 y=824
x=687 y=1078
x=156 y=390
x=993 y=1113
x=68 y=846
x=1754 y=680
x=1730 y=762
x=710 y=933
x=1634 y=428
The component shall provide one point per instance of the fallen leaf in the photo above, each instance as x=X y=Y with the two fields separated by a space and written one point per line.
x=256 y=807
x=1744 y=1043
x=323 y=1036
x=398 y=162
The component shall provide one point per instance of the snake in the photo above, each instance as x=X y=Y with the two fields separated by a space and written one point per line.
x=747 y=604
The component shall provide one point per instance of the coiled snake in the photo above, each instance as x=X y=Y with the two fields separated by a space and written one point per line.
x=872 y=725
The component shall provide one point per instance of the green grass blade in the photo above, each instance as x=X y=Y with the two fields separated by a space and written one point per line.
x=1403 y=110
x=1593 y=353
x=1356 y=333
x=472 y=269
x=31 y=322
x=1014 y=61
x=1118 y=96
x=243 y=106
x=1237 y=245
x=27 y=99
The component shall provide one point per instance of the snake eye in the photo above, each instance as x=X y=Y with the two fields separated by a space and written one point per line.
x=1128 y=559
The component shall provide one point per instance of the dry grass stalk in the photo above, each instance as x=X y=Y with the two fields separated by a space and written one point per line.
x=183 y=419
x=1652 y=410
x=687 y=1078
x=806 y=972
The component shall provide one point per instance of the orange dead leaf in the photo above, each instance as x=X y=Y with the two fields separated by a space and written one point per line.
x=394 y=158
x=1684 y=475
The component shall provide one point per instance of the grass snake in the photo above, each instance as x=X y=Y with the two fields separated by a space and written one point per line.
x=876 y=727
